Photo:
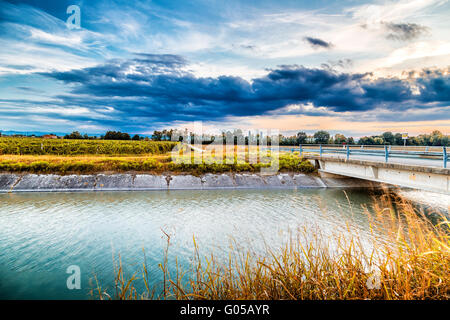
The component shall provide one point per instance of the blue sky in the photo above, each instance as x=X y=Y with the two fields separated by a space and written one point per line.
x=354 y=67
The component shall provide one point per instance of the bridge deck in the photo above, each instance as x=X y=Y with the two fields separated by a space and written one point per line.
x=413 y=155
x=410 y=162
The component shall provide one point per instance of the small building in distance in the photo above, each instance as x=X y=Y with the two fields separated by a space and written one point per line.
x=49 y=136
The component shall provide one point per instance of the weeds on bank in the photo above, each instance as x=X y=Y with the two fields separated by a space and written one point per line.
x=409 y=259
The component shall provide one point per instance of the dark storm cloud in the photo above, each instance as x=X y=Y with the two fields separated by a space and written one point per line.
x=168 y=60
x=404 y=31
x=155 y=88
x=318 y=43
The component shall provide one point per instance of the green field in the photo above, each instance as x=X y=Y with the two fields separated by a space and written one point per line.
x=38 y=146
x=36 y=155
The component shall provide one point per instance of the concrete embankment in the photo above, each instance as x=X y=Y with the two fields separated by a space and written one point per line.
x=124 y=182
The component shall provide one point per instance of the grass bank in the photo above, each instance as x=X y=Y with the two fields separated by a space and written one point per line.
x=409 y=259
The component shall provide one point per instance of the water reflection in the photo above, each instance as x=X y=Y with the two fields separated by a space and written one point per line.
x=41 y=234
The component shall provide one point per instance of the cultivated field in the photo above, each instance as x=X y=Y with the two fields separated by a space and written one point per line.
x=67 y=147
x=36 y=155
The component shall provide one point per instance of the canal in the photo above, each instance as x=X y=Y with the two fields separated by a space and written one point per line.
x=42 y=234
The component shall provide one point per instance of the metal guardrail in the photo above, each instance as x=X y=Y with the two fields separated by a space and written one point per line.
x=386 y=151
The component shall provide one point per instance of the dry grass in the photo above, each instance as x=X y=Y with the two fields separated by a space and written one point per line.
x=409 y=259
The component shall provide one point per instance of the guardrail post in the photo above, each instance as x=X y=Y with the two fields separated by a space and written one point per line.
x=320 y=150
x=301 y=150
x=444 y=156
x=348 y=152
x=386 y=153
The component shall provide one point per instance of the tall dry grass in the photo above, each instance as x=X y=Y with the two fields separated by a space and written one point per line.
x=408 y=258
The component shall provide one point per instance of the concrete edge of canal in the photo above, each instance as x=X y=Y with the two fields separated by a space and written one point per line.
x=136 y=182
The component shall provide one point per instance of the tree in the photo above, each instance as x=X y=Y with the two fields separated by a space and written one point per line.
x=398 y=139
x=73 y=135
x=378 y=140
x=167 y=134
x=157 y=135
x=321 y=137
x=436 y=138
x=366 y=141
x=388 y=137
x=301 y=137
x=113 y=135
x=339 y=138
x=136 y=137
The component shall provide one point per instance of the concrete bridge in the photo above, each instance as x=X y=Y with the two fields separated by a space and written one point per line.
x=416 y=167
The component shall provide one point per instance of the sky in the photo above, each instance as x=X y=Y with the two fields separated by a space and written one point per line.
x=351 y=67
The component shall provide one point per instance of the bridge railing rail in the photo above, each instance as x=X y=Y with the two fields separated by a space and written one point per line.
x=436 y=153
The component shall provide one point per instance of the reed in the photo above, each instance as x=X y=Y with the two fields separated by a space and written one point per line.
x=409 y=258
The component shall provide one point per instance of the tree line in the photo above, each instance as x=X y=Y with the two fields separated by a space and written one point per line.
x=436 y=138
x=117 y=135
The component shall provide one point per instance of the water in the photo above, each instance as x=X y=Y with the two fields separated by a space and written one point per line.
x=41 y=234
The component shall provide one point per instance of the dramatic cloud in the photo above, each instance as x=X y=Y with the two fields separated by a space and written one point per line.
x=241 y=63
x=158 y=88
x=318 y=43
x=404 y=31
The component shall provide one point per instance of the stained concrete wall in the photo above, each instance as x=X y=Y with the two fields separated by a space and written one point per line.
x=409 y=176
x=116 y=182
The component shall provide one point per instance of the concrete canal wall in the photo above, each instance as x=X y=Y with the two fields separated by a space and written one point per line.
x=124 y=182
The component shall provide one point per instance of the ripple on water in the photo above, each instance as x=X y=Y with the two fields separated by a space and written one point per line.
x=41 y=234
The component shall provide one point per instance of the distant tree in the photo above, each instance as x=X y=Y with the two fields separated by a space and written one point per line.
x=350 y=140
x=157 y=135
x=436 y=138
x=301 y=137
x=73 y=135
x=436 y=133
x=167 y=134
x=85 y=136
x=398 y=139
x=116 y=135
x=378 y=140
x=445 y=141
x=366 y=141
x=339 y=138
x=136 y=137
x=321 y=137
x=388 y=138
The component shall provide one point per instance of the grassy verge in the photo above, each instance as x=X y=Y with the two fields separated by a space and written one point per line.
x=411 y=261
x=149 y=163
